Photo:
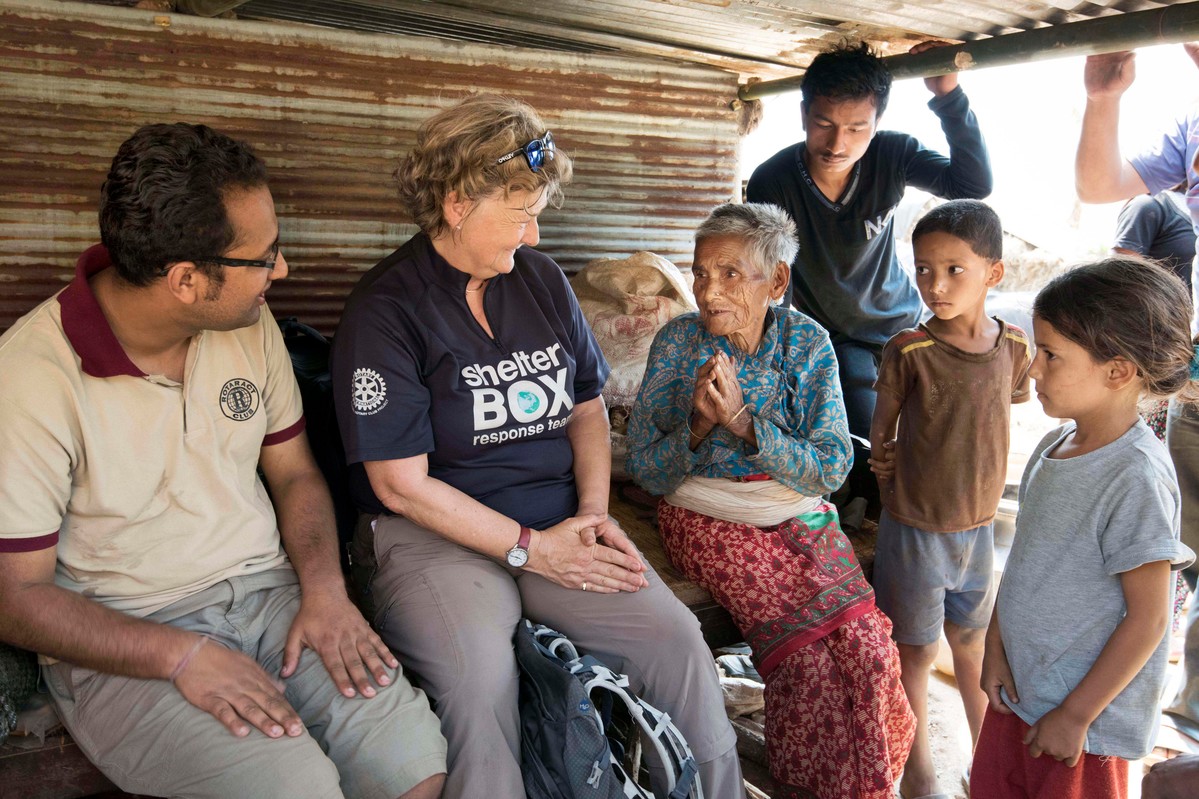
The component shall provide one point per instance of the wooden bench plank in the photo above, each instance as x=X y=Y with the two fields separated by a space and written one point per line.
x=56 y=769
x=637 y=511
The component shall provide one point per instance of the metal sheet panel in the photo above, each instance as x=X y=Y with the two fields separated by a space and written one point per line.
x=767 y=38
x=654 y=143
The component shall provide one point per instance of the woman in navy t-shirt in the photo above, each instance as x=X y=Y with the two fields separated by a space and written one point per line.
x=468 y=394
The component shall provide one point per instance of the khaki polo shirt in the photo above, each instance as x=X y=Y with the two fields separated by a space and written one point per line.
x=147 y=487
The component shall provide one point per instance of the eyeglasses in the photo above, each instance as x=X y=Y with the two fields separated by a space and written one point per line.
x=220 y=260
x=535 y=152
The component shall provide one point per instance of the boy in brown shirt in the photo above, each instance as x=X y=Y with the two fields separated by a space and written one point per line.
x=948 y=386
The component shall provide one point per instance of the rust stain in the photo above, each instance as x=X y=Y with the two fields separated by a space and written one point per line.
x=331 y=112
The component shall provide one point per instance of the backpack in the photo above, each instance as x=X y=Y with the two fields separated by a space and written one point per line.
x=568 y=747
x=309 y=352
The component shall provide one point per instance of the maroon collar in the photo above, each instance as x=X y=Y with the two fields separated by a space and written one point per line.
x=88 y=332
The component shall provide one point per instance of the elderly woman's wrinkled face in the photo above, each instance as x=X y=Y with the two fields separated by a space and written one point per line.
x=732 y=292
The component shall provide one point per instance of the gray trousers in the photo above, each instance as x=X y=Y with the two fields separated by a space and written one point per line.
x=450 y=613
x=1182 y=438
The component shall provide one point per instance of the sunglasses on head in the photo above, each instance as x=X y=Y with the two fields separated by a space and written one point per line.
x=536 y=152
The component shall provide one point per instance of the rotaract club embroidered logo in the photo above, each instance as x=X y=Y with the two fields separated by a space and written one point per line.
x=239 y=399
x=370 y=392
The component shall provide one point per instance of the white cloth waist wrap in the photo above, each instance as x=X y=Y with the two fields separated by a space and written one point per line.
x=762 y=503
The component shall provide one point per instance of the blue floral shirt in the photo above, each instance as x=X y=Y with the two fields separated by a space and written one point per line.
x=794 y=397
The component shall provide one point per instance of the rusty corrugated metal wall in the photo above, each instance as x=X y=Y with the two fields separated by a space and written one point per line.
x=654 y=143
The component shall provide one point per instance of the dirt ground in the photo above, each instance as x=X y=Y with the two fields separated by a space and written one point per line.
x=948 y=733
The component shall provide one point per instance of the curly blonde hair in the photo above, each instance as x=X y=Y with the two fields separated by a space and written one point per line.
x=457 y=149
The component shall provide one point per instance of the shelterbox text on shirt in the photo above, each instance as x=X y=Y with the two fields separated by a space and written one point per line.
x=490 y=413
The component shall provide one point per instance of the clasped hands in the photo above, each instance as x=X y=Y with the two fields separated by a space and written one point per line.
x=587 y=550
x=882 y=463
x=717 y=400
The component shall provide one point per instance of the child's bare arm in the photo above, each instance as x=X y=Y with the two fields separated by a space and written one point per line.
x=1061 y=732
x=882 y=435
x=996 y=672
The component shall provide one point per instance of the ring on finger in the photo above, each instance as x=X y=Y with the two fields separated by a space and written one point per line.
x=584 y=585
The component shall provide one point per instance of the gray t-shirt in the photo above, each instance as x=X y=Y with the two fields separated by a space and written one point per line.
x=1083 y=521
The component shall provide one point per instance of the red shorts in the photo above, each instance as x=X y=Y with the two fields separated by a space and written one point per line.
x=1003 y=768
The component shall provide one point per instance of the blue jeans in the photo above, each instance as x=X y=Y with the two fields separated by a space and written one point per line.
x=857 y=365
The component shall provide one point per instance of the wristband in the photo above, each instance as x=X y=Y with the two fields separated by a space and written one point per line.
x=187 y=659
x=738 y=413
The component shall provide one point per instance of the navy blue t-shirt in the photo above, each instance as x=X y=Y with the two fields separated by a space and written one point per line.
x=1159 y=227
x=414 y=373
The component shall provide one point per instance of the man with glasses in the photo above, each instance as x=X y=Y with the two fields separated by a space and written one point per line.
x=193 y=642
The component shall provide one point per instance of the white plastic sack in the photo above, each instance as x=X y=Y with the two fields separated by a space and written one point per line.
x=626 y=302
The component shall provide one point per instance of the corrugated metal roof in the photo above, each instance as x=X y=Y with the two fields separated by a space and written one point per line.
x=770 y=38
x=654 y=143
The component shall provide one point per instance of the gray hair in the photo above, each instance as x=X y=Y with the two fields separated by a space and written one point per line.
x=767 y=230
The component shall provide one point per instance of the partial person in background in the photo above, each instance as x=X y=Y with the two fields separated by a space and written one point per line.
x=1172 y=779
x=1101 y=175
x=739 y=425
x=1158 y=226
x=841 y=185
x=468 y=391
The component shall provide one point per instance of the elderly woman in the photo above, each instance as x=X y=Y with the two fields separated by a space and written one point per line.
x=740 y=425
x=468 y=393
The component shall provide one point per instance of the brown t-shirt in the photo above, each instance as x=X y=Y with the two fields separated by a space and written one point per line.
x=954 y=426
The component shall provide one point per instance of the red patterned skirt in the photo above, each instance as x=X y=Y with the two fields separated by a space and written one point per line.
x=838 y=724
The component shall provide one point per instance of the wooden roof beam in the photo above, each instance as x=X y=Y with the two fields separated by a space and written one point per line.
x=1169 y=25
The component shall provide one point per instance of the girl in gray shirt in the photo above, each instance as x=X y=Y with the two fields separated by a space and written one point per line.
x=1076 y=649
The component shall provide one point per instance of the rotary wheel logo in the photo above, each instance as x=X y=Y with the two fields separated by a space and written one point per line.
x=239 y=399
x=370 y=392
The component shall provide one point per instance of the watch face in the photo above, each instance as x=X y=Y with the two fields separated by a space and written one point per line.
x=517 y=557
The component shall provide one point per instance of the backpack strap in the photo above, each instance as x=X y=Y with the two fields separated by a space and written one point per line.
x=655 y=726
x=668 y=743
x=553 y=644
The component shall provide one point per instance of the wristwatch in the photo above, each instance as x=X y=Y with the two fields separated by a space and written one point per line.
x=518 y=556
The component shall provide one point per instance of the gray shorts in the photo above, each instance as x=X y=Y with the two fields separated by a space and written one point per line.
x=923 y=579
x=148 y=739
